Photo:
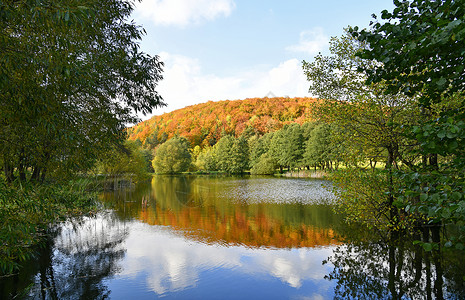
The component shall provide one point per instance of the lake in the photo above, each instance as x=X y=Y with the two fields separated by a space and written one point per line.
x=202 y=237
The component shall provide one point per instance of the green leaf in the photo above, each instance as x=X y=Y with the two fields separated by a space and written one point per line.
x=427 y=247
x=423 y=197
x=459 y=246
x=455 y=196
x=445 y=213
x=451 y=135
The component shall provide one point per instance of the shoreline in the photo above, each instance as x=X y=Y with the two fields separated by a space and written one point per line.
x=306 y=174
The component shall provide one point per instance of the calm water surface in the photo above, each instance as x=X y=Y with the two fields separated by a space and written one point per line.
x=227 y=238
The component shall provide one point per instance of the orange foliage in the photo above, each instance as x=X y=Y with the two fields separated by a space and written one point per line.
x=202 y=123
x=238 y=229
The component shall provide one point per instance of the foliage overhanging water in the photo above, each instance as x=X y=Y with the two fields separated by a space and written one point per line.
x=228 y=238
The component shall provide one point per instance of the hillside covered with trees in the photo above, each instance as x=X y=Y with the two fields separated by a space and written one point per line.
x=204 y=124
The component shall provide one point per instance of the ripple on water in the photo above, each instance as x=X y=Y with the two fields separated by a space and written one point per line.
x=277 y=190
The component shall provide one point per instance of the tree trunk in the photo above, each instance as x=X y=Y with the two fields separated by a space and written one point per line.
x=433 y=161
x=35 y=174
x=8 y=170
x=42 y=177
x=394 y=214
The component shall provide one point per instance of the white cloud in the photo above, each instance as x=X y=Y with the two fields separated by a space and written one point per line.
x=185 y=84
x=311 y=42
x=184 y=12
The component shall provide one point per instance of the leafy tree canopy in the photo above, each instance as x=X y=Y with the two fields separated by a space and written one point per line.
x=206 y=123
x=173 y=156
x=418 y=47
x=72 y=76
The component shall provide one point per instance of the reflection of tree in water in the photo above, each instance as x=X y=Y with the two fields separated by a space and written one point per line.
x=194 y=207
x=394 y=268
x=78 y=260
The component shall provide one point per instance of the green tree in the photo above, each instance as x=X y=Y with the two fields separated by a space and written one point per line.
x=321 y=149
x=173 y=156
x=224 y=152
x=206 y=161
x=72 y=77
x=266 y=165
x=418 y=48
x=258 y=146
x=368 y=120
x=287 y=146
x=419 y=51
x=239 y=156
x=232 y=155
x=278 y=148
x=123 y=161
x=293 y=145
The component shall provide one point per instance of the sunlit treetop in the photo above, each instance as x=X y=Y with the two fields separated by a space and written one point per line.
x=420 y=46
x=204 y=124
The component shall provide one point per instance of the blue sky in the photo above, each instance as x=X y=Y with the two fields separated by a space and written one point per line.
x=237 y=49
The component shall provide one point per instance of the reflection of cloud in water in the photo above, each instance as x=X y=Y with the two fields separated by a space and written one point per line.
x=313 y=297
x=172 y=263
x=291 y=266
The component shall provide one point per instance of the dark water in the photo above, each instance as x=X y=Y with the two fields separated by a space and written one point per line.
x=230 y=238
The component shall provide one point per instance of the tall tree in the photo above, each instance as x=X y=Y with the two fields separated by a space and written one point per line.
x=239 y=156
x=419 y=51
x=72 y=77
x=294 y=145
x=321 y=150
x=232 y=155
x=172 y=156
x=369 y=120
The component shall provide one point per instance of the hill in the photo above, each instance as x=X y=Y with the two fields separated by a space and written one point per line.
x=204 y=124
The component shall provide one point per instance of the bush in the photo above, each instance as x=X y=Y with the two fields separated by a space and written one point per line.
x=26 y=211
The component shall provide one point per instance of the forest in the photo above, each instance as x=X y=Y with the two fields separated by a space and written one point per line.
x=261 y=147
x=388 y=128
x=204 y=124
x=257 y=135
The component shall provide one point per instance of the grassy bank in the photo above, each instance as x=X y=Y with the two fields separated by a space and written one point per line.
x=26 y=211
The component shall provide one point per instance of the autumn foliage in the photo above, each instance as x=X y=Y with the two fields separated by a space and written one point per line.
x=204 y=124
x=239 y=228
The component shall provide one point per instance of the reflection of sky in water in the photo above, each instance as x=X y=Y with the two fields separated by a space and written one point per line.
x=277 y=190
x=159 y=261
x=132 y=259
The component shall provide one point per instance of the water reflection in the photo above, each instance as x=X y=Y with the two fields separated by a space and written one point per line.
x=391 y=266
x=178 y=264
x=227 y=210
x=191 y=238
x=73 y=263
x=211 y=238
